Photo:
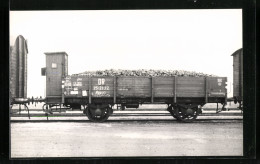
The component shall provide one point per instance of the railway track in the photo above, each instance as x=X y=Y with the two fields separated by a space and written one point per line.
x=115 y=114
x=77 y=116
x=77 y=113
x=135 y=120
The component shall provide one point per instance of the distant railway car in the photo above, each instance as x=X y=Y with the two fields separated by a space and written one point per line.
x=18 y=69
x=238 y=76
x=97 y=95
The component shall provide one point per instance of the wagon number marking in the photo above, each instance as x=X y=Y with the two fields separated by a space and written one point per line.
x=102 y=88
x=101 y=81
x=219 y=82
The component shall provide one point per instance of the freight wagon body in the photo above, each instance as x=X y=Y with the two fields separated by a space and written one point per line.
x=183 y=95
x=127 y=90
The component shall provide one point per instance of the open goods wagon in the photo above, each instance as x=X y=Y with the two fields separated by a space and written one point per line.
x=183 y=95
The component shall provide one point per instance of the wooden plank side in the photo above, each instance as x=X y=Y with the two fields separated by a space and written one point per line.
x=217 y=86
x=54 y=75
x=241 y=74
x=102 y=86
x=190 y=87
x=125 y=87
x=142 y=87
x=139 y=87
x=236 y=75
x=134 y=87
x=78 y=86
x=163 y=86
x=114 y=89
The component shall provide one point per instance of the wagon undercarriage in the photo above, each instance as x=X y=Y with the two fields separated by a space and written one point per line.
x=186 y=110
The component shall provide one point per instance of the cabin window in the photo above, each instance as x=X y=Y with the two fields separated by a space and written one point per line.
x=53 y=65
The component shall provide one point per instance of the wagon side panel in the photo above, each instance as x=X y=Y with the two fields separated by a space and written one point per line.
x=125 y=87
x=163 y=86
x=142 y=87
x=138 y=87
x=54 y=75
x=217 y=86
x=190 y=87
x=102 y=86
x=236 y=75
x=76 y=86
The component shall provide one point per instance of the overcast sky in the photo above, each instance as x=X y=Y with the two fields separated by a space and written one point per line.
x=193 y=40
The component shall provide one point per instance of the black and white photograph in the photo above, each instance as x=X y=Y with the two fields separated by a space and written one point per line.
x=126 y=83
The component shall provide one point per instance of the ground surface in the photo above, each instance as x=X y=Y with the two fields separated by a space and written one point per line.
x=126 y=136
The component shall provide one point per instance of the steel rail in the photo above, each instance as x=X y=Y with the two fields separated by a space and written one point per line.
x=139 y=120
x=117 y=114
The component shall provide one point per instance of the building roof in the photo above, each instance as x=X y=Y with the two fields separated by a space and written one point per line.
x=237 y=52
x=54 y=53
x=14 y=41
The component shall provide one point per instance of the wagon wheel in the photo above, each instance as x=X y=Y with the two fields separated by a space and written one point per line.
x=44 y=107
x=186 y=114
x=172 y=112
x=240 y=105
x=97 y=115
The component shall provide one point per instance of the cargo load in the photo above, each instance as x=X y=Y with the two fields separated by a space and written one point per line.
x=144 y=72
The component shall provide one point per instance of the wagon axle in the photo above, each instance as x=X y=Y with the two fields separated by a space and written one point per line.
x=184 y=112
x=98 y=112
